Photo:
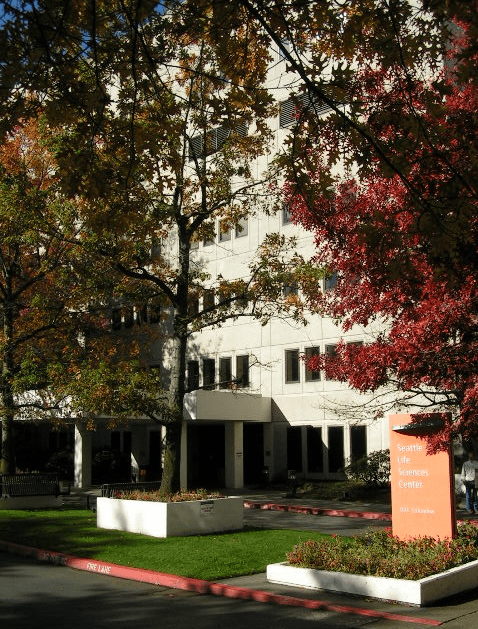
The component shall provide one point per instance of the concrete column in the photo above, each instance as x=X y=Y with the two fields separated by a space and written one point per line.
x=234 y=455
x=183 y=473
x=83 y=456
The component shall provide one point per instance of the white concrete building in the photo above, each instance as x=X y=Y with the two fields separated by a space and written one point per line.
x=281 y=417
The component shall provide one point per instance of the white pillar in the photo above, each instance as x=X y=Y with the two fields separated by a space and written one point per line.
x=183 y=472
x=234 y=455
x=83 y=456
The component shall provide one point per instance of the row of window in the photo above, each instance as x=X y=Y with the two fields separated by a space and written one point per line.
x=223 y=379
x=225 y=232
x=318 y=452
x=290 y=110
x=293 y=360
x=128 y=316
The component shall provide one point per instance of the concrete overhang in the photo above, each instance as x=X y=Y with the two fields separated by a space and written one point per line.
x=227 y=406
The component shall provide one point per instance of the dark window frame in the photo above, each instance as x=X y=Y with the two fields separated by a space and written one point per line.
x=292 y=366
x=312 y=376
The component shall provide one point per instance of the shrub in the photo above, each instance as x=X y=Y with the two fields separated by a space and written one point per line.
x=379 y=553
x=157 y=496
x=372 y=469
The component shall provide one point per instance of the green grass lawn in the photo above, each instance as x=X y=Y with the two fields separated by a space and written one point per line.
x=208 y=557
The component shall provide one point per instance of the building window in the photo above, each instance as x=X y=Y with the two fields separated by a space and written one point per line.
x=224 y=232
x=286 y=215
x=225 y=373
x=193 y=375
x=242 y=228
x=209 y=373
x=193 y=305
x=208 y=299
x=242 y=300
x=336 y=449
x=242 y=370
x=215 y=140
x=330 y=281
x=358 y=442
x=290 y=290
x=315 y=449
x=208 y=241
x=311 y=376
x=293 y=108
x=195 y=148
x=331 y=350
x=292 y=365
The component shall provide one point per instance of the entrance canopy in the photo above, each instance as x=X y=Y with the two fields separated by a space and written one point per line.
x=227 y=406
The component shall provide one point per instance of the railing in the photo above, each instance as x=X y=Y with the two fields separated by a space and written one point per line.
x=14 y=485
x=109 y=489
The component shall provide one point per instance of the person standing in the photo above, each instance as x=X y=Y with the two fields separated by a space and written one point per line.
x=468 y=475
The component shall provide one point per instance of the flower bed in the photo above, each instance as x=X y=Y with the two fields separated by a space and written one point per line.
x=379 y=553
x=150 y=514
x=377 y=564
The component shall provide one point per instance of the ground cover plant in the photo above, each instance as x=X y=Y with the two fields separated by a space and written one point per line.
x=379 y=553
x=208 y=557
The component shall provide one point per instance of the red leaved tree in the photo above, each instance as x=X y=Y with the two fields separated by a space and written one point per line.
x=400 y=230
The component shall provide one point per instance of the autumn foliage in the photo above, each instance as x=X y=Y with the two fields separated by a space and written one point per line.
x=400 y=230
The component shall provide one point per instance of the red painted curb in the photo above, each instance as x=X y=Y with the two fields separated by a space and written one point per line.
x=305 y=509
x=198 y=585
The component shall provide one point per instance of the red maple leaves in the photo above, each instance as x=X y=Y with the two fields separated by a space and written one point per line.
x=402 y=236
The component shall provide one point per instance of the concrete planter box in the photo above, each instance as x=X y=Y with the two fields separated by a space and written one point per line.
x=30 y=502
x=168 y=519
x=421 y=592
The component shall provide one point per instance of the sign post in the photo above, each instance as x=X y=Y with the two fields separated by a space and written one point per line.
x=423 y=493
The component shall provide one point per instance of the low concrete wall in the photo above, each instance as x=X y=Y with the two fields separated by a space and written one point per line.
x=30 y=502
x=421 y=592
x=168 y=519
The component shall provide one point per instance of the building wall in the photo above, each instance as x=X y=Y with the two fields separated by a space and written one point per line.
x=304 y=429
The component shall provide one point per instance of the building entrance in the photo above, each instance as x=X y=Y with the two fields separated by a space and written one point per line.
x=253 y=453
x=206 y=456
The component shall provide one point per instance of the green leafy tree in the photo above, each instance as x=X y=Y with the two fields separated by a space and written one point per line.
x=36 y=292
x=161 y=133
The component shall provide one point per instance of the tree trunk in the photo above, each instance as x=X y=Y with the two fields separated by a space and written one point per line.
x=170 y=481
x=7 y=461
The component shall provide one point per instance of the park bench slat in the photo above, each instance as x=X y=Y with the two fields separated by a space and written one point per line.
x=15 y=485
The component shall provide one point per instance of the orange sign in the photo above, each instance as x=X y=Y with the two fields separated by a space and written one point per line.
x=423 y=495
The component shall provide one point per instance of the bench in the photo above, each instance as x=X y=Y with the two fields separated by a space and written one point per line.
x=108 y=490
x=21 y=485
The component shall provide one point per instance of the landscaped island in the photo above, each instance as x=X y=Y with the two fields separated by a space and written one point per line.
x=418 y=571
x=159 y=515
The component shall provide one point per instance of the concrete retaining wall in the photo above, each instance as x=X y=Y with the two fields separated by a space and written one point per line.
x=421 y=592
x=168 y=519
